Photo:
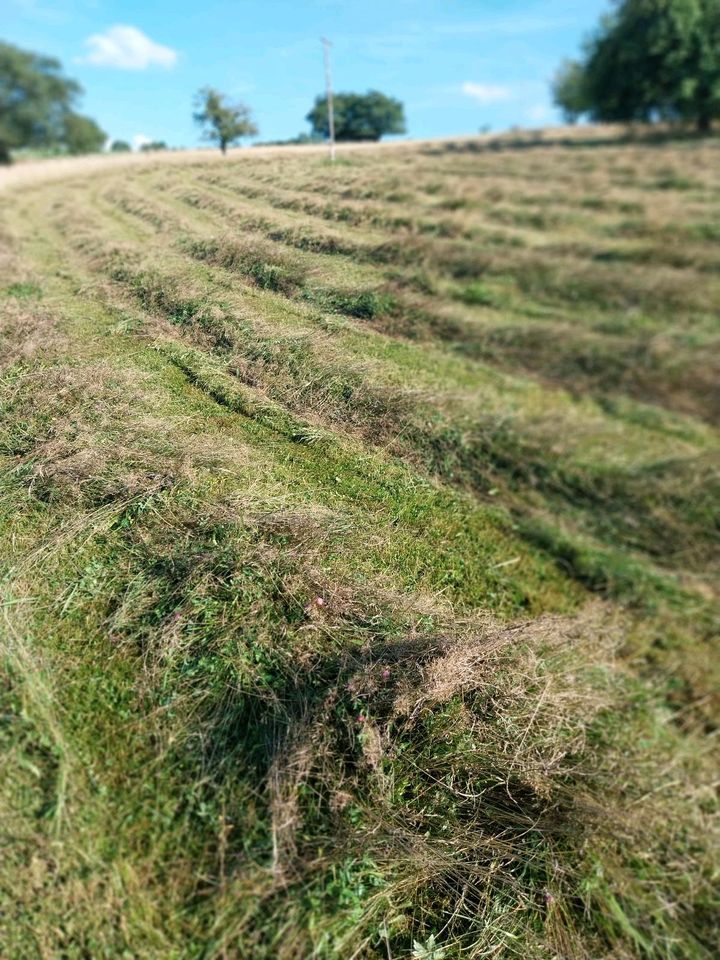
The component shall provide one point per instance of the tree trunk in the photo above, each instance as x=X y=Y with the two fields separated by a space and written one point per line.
x=223 y=147
x=704 y=123
x=4 y=154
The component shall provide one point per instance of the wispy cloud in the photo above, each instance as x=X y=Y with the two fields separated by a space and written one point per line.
x=506 y=26
x=127 y=48
x=408 y=43
x=486 y=92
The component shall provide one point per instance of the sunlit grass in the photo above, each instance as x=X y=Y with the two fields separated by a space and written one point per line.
x=359 y=557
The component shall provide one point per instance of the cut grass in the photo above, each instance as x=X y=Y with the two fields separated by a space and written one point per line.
x=302 y=650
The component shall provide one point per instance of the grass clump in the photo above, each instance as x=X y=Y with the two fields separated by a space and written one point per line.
x=479 y=294
x=363 y=304
x=262 y=265
x=22 y=290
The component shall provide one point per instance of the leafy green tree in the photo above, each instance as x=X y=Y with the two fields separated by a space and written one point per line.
x=153 y=145
x=701 y=92
x=569 y=90
x=36 y=105
x=82 y=135
x=120 y=146
x=223 y=122
x=358 y=116
x=648 y=60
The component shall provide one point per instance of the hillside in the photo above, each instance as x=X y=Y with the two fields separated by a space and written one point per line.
x=359 y=537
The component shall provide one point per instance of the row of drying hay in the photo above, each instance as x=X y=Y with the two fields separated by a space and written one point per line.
x=291 y=371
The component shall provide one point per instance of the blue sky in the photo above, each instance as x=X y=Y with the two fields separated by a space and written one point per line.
x=456 y=64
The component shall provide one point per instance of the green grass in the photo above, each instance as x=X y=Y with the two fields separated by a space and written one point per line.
x=23 y=291
x=358 y=557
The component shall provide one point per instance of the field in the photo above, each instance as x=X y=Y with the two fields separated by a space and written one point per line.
x=359 y=540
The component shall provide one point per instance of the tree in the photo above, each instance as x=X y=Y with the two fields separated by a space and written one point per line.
x=224 y=123
x=648 y=60
x=153 y=145
x=569 y=91
x=82 y=135
x=702 y=92
x=358 y=116
x=120 y=146
x=36 y=104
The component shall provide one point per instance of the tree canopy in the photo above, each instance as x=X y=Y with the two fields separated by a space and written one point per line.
x=81 y=134
x=36 y=105
x=648 y=60
x=223 y=122
x=358 y=116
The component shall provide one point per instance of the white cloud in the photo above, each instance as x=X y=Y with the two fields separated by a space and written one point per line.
x=139 y=140
x=539 y=113
x=486 y=92
x=127 y=48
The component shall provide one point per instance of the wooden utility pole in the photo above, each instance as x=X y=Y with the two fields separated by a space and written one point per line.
x=328 y=84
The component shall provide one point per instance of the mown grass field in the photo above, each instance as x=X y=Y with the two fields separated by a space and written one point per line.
x=359 y=535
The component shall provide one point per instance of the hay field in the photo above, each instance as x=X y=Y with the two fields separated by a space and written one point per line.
x=359 y=543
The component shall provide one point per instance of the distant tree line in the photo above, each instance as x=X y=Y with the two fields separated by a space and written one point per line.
x=648 y=60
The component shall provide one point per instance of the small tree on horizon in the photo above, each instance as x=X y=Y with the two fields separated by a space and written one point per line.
x=82 y=135
x=358 y=116
x=223 y=123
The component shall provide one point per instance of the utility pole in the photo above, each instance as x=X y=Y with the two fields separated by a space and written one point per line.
x=328 y=84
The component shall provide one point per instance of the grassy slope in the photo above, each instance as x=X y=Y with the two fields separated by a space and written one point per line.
x=360 y=551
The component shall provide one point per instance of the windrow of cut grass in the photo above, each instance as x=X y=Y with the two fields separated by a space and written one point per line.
x=603 y=361
x=311 y=375
x=477 y=221
x=321 y=639
x=499 y=304
x=665 y=508
x=587 y=272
